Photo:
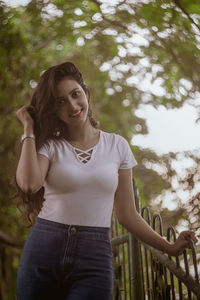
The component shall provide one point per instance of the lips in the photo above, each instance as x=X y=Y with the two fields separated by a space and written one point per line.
x=76 y=114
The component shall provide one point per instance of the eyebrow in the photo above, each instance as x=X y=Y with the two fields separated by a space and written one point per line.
x=73 y=90
x=69 y=92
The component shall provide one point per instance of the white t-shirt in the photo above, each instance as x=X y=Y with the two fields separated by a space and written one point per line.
x=83 y=193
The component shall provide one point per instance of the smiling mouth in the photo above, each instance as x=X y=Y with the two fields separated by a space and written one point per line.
x=77 y=114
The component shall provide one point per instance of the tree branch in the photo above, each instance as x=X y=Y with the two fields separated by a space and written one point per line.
x=8 y=240
x=186 y=13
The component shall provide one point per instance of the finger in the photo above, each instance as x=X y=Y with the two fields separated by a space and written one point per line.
x=189 y=234
x=195 y=239
x=192 y=236
x=191 y=241
x=182 y=244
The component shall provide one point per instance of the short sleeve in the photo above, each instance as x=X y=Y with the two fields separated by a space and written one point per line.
x=127 y=159
x=45 y=149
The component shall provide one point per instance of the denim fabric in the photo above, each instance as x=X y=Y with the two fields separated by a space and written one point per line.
x=66 y=262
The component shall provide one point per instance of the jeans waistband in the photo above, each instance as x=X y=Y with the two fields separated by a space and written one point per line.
x=53 y=224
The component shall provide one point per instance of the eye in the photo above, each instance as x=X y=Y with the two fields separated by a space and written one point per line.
x=75 y=94
x=61 y=101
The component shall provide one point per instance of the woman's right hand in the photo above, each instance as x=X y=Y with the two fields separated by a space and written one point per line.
x=24 y=116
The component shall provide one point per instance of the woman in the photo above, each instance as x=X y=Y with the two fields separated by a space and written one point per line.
x=84 y=171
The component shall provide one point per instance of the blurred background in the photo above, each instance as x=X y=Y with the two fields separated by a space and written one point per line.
x=141 y=60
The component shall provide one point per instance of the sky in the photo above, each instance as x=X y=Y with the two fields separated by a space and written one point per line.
x=169 y=129
x=16 y=3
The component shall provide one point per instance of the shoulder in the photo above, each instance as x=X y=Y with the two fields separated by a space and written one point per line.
x=115 y=137
x=53 y=142
x=115 y=140
x=112 y=136
x=108 y=139
x=49 y=145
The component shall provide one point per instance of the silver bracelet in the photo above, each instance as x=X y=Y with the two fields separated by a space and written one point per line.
x=24 y=136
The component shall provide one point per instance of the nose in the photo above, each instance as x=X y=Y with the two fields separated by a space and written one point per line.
x=71 y=103
x=72 y=106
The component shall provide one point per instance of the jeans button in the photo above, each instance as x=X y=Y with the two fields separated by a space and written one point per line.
x=73 y=229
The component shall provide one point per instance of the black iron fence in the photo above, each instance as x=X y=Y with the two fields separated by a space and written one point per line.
x=142 y=272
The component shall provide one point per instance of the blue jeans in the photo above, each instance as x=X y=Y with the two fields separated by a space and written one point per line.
x=66 y=262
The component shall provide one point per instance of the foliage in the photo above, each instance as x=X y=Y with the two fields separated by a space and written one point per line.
x=102 y=39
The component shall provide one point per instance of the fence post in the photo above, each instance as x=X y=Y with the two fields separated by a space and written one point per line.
x=137 y=280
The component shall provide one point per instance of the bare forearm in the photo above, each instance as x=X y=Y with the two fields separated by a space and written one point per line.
x=28 y=174
x=136 y=225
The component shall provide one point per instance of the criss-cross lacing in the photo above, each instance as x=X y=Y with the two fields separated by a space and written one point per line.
x=84 y=156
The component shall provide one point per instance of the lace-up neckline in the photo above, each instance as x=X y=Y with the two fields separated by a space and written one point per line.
x=85 y=156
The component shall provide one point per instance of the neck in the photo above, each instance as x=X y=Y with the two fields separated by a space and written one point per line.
x=81 y=133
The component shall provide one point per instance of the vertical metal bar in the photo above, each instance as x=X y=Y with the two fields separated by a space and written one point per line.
x=143 y=258
x=137 y=278
x=152 y=277
x=147 y=274
x=130 y=264
x=150 y=287
x=171 y=230
x=187 y=272
x=124 y=270
x=165 y=278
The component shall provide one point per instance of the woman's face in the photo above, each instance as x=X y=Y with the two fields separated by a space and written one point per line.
x=72 y=102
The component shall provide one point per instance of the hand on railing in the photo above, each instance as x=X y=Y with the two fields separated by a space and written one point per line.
x=183 y=241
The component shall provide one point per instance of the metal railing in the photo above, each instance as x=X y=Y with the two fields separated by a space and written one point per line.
x=142 y=272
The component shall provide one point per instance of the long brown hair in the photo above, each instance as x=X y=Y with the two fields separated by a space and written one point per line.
x=43 y=110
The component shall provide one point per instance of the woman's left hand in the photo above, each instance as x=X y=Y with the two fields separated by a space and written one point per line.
x=182 y=243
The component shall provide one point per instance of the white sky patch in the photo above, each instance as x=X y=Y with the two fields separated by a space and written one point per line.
x=97 y=17
x=138 y=40
x=17 y=3
x=182 y=163
x=171 y=200
x=51 y=11
x=167 y=199
x=169 y=130
x=80 y=41
x=79 y=24
x=78 y=11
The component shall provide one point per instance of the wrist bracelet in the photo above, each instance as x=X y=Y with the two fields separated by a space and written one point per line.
x=24 y=136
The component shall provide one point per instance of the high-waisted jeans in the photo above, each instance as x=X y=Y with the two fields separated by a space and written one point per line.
x=66 y=262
